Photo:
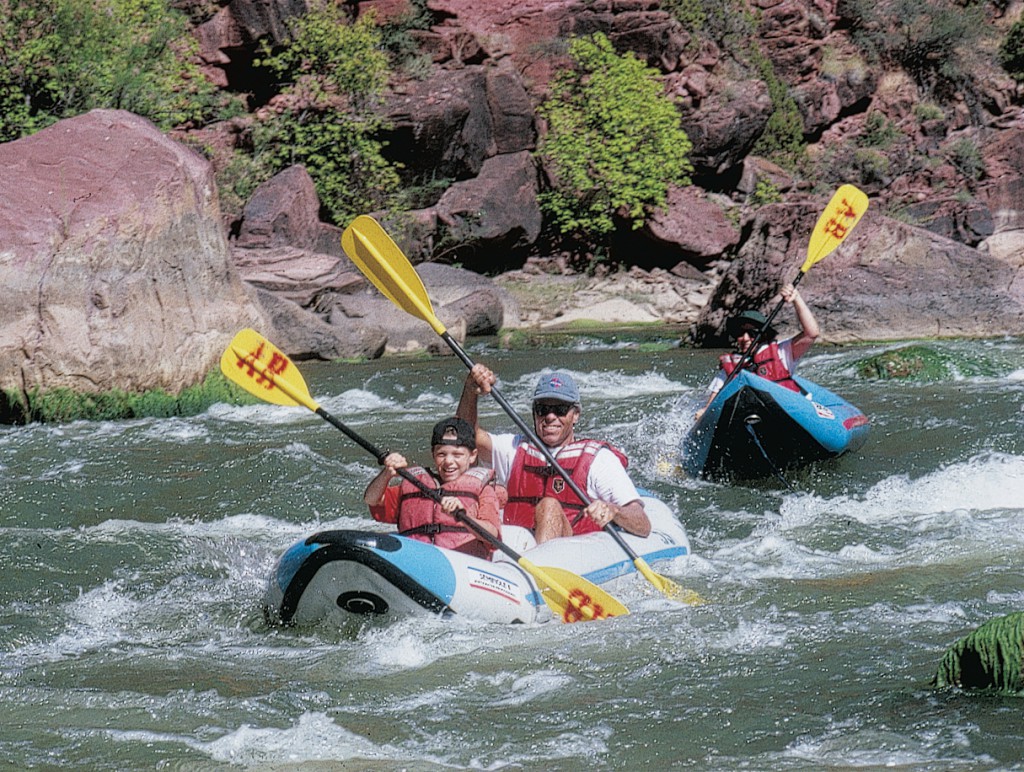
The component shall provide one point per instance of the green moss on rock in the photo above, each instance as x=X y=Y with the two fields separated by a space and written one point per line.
x=921 y=363
x=989 y=658
x=63 y=405
x=916 y=362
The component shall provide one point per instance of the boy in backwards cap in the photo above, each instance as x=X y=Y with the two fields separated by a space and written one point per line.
x=393 y=499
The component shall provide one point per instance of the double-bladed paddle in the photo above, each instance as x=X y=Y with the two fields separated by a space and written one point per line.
x=382 y=261
x=842 y=213
x=259 y=367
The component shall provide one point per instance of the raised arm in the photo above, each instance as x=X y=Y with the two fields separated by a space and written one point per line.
x=809 y=330
x=478 y=381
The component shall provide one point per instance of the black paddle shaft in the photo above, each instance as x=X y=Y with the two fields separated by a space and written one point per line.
x=433 y=493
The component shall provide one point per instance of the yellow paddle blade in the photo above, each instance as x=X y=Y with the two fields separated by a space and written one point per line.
x=571 y=597
x=382 y=261
x=844 y=211
x=263 y=370
x=669 y=588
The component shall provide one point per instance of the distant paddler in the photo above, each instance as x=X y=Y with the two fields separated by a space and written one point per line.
x=762 y=354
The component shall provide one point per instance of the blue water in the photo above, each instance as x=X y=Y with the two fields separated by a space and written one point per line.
x=135 y=554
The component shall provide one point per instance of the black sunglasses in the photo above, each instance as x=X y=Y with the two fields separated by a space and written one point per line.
x=559 y=410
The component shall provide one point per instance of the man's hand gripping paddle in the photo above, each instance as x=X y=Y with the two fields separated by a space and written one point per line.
x=259 y=367
x=381 y=260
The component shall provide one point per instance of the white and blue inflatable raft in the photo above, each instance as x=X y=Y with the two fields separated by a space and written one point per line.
x=335 y=574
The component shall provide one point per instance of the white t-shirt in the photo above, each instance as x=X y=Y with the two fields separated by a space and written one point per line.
x=785 y=356
x=607 y=480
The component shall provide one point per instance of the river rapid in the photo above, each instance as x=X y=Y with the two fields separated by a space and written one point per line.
x=135 y=554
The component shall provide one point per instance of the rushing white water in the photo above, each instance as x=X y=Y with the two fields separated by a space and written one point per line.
x=135 y=555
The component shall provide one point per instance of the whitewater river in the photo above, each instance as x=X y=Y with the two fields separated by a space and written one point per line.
x=135 y=553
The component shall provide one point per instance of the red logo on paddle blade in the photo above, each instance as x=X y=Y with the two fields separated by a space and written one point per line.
x=582 y=607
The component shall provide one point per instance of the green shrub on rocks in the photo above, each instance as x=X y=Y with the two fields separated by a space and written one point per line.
x=640 y=336
x=64 y=405
x=60 y=58
x=615 y=141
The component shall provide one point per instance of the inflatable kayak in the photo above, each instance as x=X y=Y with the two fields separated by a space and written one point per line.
x=755 y=428
x=335 y=574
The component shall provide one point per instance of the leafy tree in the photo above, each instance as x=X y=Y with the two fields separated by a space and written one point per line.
x=1011 y=51
x=614 y=142
x=332 y=73
x=60 y=58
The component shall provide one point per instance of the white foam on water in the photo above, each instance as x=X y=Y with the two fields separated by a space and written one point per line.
x=752 y=636
x=965 y=510
x=175 y=430
x=987 y=483
x=357 y=401
x=260 y=414
x=848 y=744
x=94 y=620
x=533 y=686
x=67 y=468
x=314 y=737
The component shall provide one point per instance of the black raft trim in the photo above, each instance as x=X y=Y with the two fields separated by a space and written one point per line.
x=355 y=546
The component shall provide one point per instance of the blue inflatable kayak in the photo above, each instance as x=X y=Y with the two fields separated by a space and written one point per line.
x=333 y=575
x=756 y=428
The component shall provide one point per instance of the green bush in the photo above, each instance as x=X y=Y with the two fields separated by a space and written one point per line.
x=929 y=39
x=689 y=13
x=879 y=131
x=64 y=405
x=60 y=58
x=928 y=111
x=782 y=140
x=333 y=74
x=1011 y=51
x=765 y=192
x=967 y=158
x=614 y=142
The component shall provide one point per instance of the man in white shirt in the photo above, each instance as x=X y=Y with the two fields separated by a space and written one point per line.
x=538 y=496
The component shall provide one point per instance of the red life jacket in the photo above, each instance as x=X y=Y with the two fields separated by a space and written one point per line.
x=531 y=478
x=766 y=362
x=422 y=518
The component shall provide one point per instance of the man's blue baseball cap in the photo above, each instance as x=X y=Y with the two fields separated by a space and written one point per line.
x=558 y=386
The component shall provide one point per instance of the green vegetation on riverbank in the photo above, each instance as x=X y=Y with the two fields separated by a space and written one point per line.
x=644 y=336
x=64 y=405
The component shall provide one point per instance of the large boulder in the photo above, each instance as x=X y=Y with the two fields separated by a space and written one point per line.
x=307 y=336
x=442 y=125
x=466 y=303
x=114 y=261
x=494 y=213
x=886 y=280
x=303 y=277
x=1003 y=194
x=694 y=226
